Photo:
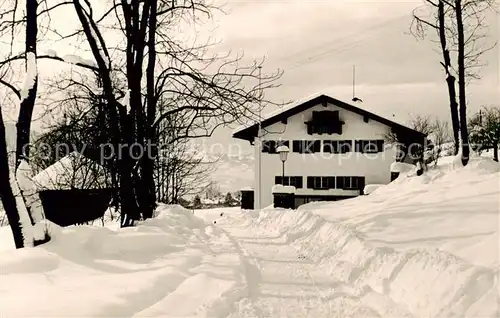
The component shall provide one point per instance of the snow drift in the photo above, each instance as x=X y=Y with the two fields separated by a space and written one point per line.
x=428 y=243
x=422 y=246
x=149 y=270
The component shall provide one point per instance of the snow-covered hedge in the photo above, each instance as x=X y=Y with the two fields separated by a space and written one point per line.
x=401 y=167
x=369 y=188
x=278 y=188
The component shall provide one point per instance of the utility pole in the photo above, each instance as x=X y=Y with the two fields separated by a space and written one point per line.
x=259 y=139
x=354 y=98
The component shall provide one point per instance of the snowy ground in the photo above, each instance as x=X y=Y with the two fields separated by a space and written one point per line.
x=419 y=247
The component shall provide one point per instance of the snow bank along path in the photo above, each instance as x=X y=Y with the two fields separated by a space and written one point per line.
x=420 y=247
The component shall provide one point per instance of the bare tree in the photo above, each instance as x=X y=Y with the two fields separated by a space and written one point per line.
x=209 y=99
x=461 y=27
x=422 y=124
x=21 y=214
x=7 y=195
x=441 y=135
x=439 y=24
x=208 y=91
x=180 y=172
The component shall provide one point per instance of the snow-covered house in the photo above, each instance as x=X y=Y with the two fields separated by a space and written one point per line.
x=335 y=149
x=74 y=190
x=73 y=171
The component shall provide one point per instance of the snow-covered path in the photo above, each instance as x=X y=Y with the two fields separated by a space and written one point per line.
x=283 y=283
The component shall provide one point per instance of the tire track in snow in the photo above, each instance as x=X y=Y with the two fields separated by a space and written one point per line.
x=305 y=291
x=252 y=273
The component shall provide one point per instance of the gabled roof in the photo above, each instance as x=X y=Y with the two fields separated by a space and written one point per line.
x=249 y=132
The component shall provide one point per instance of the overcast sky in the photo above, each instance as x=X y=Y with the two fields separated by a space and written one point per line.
x=317 y=43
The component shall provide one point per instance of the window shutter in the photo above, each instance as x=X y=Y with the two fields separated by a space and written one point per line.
x=310 y=182
x=340 y=182
x=302 y=147
x=329 y=182
x=298 y=182
x=380 y=145
x=361 y=184
x=307 y=146
x=317 y=146
x=296 y=146
x=272 y=146
x=277 y=180
x=317 y=182
x=332 y=146
x=336 y=125
x=265 y=146
x=310 y=129
x=335 y=146
x=358 y=146
x=345 y=146
x=327 y=146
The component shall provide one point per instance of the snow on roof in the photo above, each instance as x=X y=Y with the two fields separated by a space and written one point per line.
x=313 y=96
x=73 y=171
x=280 y=110
x=209 y=201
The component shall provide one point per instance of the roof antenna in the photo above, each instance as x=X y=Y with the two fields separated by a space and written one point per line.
x=354 y=98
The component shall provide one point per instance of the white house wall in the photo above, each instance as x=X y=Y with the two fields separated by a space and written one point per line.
x=374 y=167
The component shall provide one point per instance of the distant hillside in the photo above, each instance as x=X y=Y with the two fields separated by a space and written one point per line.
x=234 y=172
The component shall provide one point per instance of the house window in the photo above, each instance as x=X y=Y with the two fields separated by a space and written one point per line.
x=321 y=182
x=289 y=181
x=350 y=183
x=270 y=146
x=317 y=183
x=337 y=146
x=296 y=182
x=328 y=182
x=324 y=122
x=306 y=146
x=369 y=146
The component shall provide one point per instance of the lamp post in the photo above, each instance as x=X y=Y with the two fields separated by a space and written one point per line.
x=283 y=151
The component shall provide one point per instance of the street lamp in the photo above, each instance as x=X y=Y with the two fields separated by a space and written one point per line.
x=283 y=151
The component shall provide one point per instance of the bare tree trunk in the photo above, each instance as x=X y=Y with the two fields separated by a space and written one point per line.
x=495 y=152
x=148 y=163
x=128 y=186
x=450 y=79
x=28 y=102
x=464 y=136
x=6 y=194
